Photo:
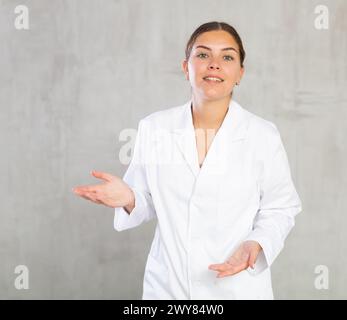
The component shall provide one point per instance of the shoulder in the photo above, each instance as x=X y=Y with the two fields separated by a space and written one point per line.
x=261 y=134
x=259 y=127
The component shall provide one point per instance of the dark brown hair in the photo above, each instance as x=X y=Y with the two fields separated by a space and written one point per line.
x=212 y=26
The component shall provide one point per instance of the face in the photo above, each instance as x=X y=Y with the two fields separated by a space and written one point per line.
x=214 y=54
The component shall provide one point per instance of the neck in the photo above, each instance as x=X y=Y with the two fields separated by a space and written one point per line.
x=209 y=114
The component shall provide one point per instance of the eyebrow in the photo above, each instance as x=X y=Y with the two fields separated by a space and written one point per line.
x=224 y=49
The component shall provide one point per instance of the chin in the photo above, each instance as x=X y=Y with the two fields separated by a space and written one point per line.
x=214 y=96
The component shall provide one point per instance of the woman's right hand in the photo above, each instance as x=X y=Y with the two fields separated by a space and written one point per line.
x=114 y=192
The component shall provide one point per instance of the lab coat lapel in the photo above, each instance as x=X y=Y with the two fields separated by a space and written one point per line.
x=233 y=129
x=184 y=136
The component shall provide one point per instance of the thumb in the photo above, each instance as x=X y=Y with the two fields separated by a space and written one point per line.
x=102 y=175
x=252 y=258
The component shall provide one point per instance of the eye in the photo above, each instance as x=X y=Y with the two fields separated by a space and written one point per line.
x=229 y=58
x=202 y=55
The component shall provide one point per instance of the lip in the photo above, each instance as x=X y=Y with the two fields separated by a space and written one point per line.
x=213 y=76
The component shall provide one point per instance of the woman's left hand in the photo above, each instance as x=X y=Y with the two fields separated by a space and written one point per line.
x=245 y=256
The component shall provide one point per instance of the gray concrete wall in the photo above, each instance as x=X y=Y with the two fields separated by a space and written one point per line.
x=87 y=69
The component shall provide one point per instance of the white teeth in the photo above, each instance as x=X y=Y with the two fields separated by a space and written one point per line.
x=213 y=79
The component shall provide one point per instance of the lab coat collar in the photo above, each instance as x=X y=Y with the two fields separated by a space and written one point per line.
x=233 y=128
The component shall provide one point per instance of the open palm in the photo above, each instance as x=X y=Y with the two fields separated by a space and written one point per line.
x=245 y=256
x=112 y=192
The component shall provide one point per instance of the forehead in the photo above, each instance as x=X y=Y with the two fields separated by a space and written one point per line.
x=217 y=39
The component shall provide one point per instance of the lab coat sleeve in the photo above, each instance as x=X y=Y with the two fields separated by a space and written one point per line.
x=136 y=178
x=279 y=204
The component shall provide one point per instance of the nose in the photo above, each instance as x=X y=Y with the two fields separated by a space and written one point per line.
x=213 y=65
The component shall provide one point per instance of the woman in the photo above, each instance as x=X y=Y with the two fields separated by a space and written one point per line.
x=215 y=176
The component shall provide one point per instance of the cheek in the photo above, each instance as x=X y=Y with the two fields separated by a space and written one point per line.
x=197 y=68
x=233 y=72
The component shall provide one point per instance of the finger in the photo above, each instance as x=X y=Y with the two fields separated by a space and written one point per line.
x=91 y=188
x=85 y=195
x=231 y=271
x=226 y=274
x=95 y=201
x=215 y=266
x=92 y=197
x=219 y=267
x=252 y=258
x=102 y=175
x=233 y=266
x=77 y=190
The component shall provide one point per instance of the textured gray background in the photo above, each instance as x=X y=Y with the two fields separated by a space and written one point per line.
x=88 y=69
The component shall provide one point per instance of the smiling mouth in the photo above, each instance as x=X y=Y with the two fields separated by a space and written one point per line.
x=213 y=79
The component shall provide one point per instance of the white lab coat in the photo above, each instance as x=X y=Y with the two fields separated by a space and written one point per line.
x=243 y=191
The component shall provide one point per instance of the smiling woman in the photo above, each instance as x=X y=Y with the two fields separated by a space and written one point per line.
x=214 y=64
x=226 y=207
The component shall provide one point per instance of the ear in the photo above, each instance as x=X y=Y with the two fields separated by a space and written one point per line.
x=242 y=71
x=185 y=68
